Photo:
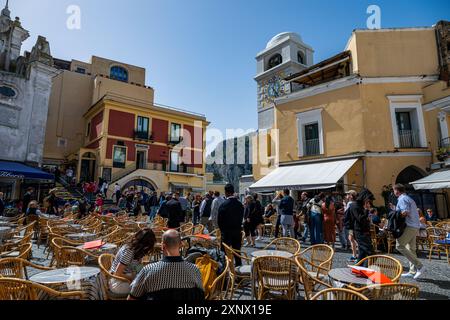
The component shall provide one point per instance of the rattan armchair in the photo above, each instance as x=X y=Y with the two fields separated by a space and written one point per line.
x=311 y=283
x=71 y=256
x=17 y=268
x=218 y=290
x=105 y=262
x=318 y=260
x=198 y=229
x=437 y=242
x=394 y=291
x=276 y=277
x=285 y=244
x=18 y=289
x=22 y=251
x=339 y=294
x=242 y=274
x=389 y=266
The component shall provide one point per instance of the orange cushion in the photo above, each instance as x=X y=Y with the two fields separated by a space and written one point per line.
x=93 y=245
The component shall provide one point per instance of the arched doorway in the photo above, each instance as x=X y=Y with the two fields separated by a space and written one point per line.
x=425 y=199
x=88 y=167
x=139 y=184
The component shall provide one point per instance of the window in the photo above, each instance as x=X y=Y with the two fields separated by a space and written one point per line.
x=88 y=130
x=119 y=74
x=301 y=57
x=142 y=131
x=80 y=70
x=310 y=133
x=407 y=121
x=275 y=60
x=312 y=142
x=7 y=92
x=174 y=161
x=119 y=157
x=175 y=133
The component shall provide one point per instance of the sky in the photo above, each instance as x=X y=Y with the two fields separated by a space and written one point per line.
x=200 y=54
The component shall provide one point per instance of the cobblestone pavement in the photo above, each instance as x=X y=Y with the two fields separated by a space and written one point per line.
x=434 y=285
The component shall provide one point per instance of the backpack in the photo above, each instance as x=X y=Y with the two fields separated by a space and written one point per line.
x=396 y=224
x=208 y=269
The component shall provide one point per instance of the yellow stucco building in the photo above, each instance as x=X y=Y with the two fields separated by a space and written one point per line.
x=103 y=122
x=373 y=115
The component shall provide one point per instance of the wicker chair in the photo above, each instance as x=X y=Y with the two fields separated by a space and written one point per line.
x=230 y=282
x=218 y=290
x=318 y=260
x=105 y=262
x=22 y=251
x=270 y=225
x=444 y=225
x=310 y=283
x=394 y=291
x=17 y=268
x=71 y=256
x=391 y=242
x=389 y=266
x=43 y=231
x=18 y=289
x=242 y=274
x=339 y=294
x=276 y=277
x=198 y=229
x=285 y=244
x=438 y=234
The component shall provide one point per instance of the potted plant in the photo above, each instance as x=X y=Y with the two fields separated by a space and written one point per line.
x=442 y=154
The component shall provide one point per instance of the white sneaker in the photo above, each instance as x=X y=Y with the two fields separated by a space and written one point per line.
x=407 y=275
x=419 y=273
x=259 y=238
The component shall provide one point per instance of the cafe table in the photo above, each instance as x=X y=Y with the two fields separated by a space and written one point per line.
x=106 y=248
x=266 y=253
x=342 y=277
x=87 y=279
x=83 y=236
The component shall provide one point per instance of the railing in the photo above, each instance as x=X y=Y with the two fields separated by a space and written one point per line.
x=409 y=139
x=123 y=172
x=143 y=135
x=312 y=147
x=182 y=169
x=175 y=140
x=444 y=143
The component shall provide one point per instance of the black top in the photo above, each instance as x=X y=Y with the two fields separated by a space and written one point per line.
x=286 y=206
x=2 y=207
x=207 y=209
x=26 y=201
x=230 y=216
x=174 y=213
x=360 y=217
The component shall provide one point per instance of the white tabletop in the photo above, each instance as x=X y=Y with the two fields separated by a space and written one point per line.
x=64 y=275
x=82 y=235
x=345 y=275
x=271 y=253
x=105 y=247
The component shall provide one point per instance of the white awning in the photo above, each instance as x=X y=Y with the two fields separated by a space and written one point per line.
x=323 y=175
x=437 y=180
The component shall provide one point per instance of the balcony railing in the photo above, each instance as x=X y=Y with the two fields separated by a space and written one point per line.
x=445 y=143
x=143 y=135
x=312 y=147
x=409 y=139
x=175 y=140
x=182 y=169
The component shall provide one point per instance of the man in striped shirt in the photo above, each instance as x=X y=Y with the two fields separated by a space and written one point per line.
x=171 y=278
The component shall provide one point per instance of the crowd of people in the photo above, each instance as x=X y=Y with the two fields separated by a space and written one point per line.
x=318 y=219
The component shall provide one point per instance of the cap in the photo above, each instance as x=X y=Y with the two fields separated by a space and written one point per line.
x=352 y=192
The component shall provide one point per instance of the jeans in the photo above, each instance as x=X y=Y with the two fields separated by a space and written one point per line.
x=153 y=211
x=316 y=228
x=365 y=247
x=343 y=238
x=306 y=231
x=277 y=226
x=406 y=245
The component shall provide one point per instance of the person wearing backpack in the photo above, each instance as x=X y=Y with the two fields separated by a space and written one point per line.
x=205 y=212
x=316 y=219
x=406 y=243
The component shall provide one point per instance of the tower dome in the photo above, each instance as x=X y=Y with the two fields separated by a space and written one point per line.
x=282 y=37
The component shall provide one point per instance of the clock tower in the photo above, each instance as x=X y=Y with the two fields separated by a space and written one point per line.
x=284 y=55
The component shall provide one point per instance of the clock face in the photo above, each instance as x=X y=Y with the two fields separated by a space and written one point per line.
x=274 y=89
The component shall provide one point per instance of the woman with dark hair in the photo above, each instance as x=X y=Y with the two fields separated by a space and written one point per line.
x=316 y=219
x=259 y=217
x=127 y=262
x=329 y=221
x=250 y=221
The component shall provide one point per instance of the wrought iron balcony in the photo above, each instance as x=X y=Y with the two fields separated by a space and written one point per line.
x=445 y=143
x=409 y=139
x=175 y=140
x=143 y=135
x=312 y=147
